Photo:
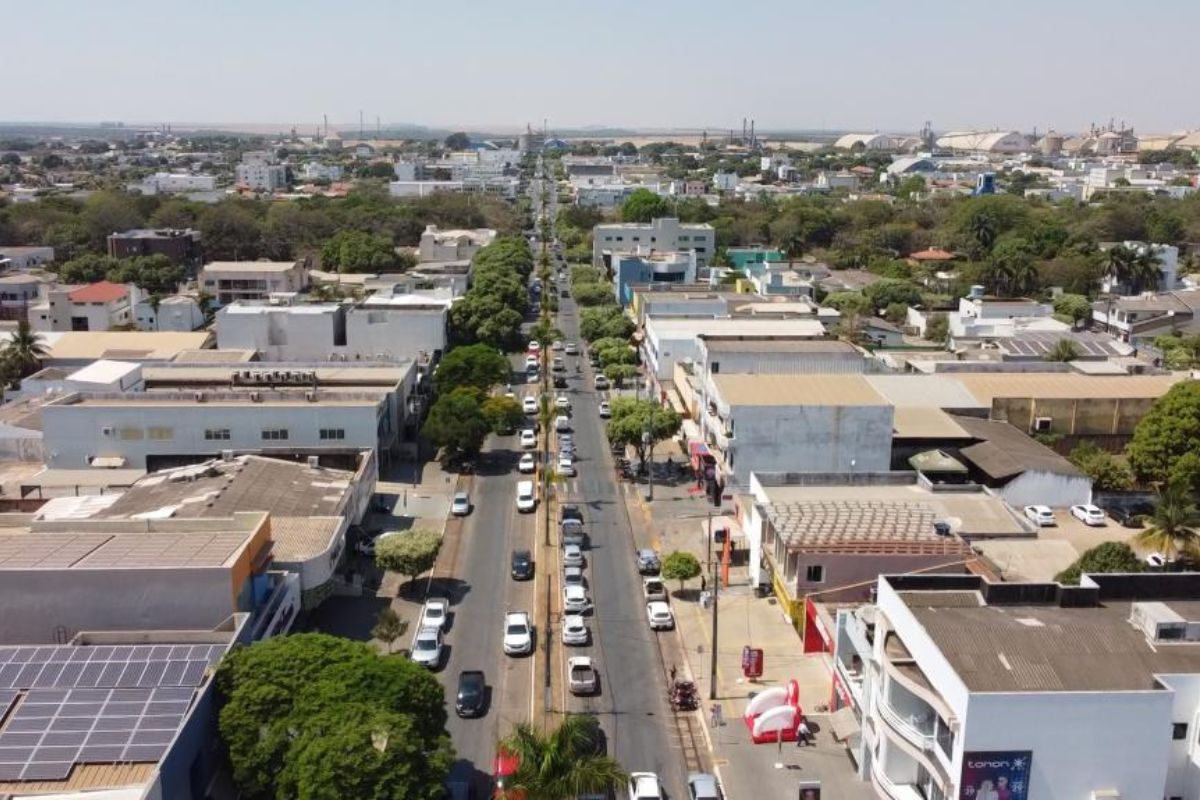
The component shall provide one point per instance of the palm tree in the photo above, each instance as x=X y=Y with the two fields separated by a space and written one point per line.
x=1118 y=260
x=1144 y=271
x=1064 y=350
x=562 y=764
x=1174 y=524
x=982 y=226
x=25 y=350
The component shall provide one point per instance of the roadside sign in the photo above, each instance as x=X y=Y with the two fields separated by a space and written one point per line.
x=752 y=662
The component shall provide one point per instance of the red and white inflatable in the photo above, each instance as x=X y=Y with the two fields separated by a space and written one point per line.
x=773 y=714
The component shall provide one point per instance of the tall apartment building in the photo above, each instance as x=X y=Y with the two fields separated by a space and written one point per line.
x=181 y=245
x=665 y=234
x=258 y=171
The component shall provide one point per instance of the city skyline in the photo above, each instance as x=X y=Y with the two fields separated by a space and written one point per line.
x=482 y=67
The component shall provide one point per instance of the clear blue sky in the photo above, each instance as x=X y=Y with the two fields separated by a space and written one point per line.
x=866 y=64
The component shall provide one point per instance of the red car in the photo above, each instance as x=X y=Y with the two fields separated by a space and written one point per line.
x=503 y=768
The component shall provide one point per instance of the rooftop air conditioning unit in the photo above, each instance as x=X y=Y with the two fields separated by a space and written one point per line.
x=227 y=455
x=1042 y=424
x=314 y=461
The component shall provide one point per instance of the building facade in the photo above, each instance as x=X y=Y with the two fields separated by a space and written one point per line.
x=100 y=306
x=182 y=246
x=230 y=281
x=662 y=235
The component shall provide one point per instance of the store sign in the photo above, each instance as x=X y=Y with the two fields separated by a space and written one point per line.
x=996 y=775
x=752 y=662
x=810 y=790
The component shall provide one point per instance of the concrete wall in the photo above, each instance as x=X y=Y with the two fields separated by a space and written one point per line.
x=1074 y=416
x=1046 y=488
x=785 y=363
x=398 y=332
x=75 y=432
x=810 y=439
x=287 y=334
x=36 y=602
x=851 y=576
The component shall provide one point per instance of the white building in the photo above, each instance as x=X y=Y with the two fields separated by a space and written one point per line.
x=949 y=685
x=665 y=234
x=259 y=172
x=725 y=181
x=229 y=281
x=381 y=328
x=865 y=141
x=980 y=317
x=984 y=142
x=315 y=170
x=104 y=375
x=836 y=180
x=646 y=266
x=22 y=258
x=175 y=183
x=453 y=245
x=100 y=306
x=671 y=341
x=178 y=312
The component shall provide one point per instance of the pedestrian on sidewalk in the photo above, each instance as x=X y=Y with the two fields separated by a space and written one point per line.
x=803 y=733
x=716 y=715
x=703 y=582
x=672 y=675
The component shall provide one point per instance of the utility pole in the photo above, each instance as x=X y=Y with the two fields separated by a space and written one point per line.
x=649 y=442
x=712 y=683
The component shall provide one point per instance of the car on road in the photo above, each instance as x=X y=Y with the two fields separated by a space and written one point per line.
x=581 y=675
x=644 y=786
x=647 y=562
x=534 y=346
x=556 y=344
x=575 y=599
x=567 y=447
x=654 y=589
x=600 y=383
x=558 y=366
x=427 y=647
x=531 y=362
x=605 y=411
x=573 y=575
x=1042 y=516
x=434 y=613
x=573 y=533
x=460 y=506
x=659 y=616
x=566 y=438
x=570 y=511
x=702 y=786
x=1088 y=514
x=528 y=439
x=529 y=404
x=562 y=403
x=518 y=633
x=560 y=381
x=521 y=565
x=566 y=465
x=471 y=694
x=562 y=424
x=571 y=349
x=574 y=630
x=527 y=464
x=526 y=501
x=572 y=555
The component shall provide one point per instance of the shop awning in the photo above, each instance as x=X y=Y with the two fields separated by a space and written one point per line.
x=844 y=724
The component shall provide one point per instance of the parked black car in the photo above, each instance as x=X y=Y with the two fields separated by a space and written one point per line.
x=472 y=692
x=1130 y=516
x=647 y=562
x=522 y=565
x=570 y=511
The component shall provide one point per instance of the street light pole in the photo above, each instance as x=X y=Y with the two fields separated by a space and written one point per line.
x=650 y=448
x=712 y=683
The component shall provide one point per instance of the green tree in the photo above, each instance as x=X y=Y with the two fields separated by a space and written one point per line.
x=1074 y=306
x=388 y=626
x=475 y=365
x=1168 y=431
x=87 y=268
x=643 y=205
x=619 y=373
x=937 y=328
x=847 y=302
x=25 y=350
x=884 y=293
x=314 y=716
x=504 y=414
x=1064 y=350
x=456 y=424
x=564 y=763
x=1012 y=271
x=983 y=228
x=1104 y=557
x=680 y=566
x=1174 y=523
x=594 y=294
x=230 y=231
x=1106 y=471
x=410 y=553
x=604 y=322
x=639 y=423
x=356 y=251
x=458 y=141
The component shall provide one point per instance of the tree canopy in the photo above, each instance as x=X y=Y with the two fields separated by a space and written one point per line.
x=1169 y=430
x=632 y=418
x=1104 y=557
x=317 y=717
x=475 y=365
x=410 y=553
x=1108 y=473
x=356 y=251
x=456 y=424
x=680 y=566
x=504 y=414
x=643 y=205
x=563 y=763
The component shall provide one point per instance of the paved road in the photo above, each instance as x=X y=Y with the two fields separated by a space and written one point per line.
x=632 y=705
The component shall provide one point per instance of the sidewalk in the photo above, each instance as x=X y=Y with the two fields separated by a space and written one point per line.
x=676 y=520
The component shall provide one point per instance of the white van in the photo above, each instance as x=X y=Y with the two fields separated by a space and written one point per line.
x=525 y=498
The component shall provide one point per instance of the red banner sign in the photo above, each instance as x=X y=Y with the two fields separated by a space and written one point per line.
x=752 y=662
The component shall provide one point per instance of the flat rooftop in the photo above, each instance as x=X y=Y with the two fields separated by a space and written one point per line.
x=361 y=396
x=135 y=550
x=214 y=356
x=924 y=391
x=795 y=390
x=177 y=373
x=750 y=344
x=1031 y=648
x=889 y=512
x=1067 y=386
x=669 y=327
x=250 y=266
x=121 y=345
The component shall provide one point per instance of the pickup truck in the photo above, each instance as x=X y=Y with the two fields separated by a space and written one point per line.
x=581 y=675
x=654 y=589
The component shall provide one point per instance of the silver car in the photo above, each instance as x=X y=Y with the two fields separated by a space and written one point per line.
x=427 y=647
x=573 y=555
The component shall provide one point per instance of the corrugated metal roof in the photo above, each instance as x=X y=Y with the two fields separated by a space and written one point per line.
x=787 y=390
x=987 y=387
x=924 y=391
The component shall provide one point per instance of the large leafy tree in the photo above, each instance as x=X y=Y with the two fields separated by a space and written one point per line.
x=410 y=553
x=1105 y=557
x=1106 y=471
x=503 y=414
x=633 y=421
x=680 y=566
x=356 y=251
x=643 y=205
x=319 y=717
x=456 y=424
x=564 y=763
x=604 y=321
x=1170 y=430
x=471 y=365
x=230 y=231
x=1174 y=527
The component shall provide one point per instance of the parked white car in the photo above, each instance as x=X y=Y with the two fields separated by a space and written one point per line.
x=574 y=630
x=572 y=555
x=573 y=576
x=527 y=464
x=461 y=505
x=1042 y=516
x=518 y=633
x=605 y=410
x=529 y=405
x=659 y=615
x=434 y=613
x=566 y=465
x=562 y=424
x=427 y=647
x=581 y=675
x=1089 y=514
x=528 y=439
x=526 y=501
x=562 y=403
x=575 y=599
x=644 y=786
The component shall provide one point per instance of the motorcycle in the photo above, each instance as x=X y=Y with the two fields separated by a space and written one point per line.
x=683 y=696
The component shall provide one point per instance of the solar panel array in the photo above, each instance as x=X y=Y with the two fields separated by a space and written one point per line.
x=93 y=704
x=1039 y=343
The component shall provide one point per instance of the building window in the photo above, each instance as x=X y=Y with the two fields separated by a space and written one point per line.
x=79 y=323
x=131 y=434
x=216 y=434
x=715 y=368
x=162 y=434
x=1179 y=731
x=275 y=434
x=333 y=434
x=814 y=573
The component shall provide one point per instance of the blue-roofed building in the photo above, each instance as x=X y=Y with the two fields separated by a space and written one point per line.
x=753 y=259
